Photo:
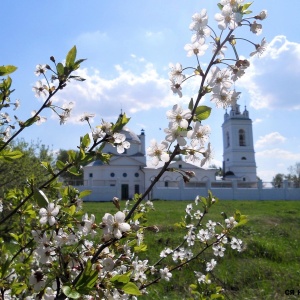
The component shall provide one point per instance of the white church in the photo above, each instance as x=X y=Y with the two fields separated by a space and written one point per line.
x=128 y=173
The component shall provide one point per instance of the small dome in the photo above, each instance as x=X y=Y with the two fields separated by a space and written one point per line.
x=130 y=136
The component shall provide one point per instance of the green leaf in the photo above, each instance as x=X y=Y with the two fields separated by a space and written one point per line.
x=84 y=193
x=60 y=165
x=85 y=141
x=17 y=288
x=121 y=122
x=202 y=112
x=5 y=70
x=72 y=156
x=71 y=56
x=131 y=289
x=77 y=64
x=9 y=155
x=104 y=157
x=241 y=219
x=48 y=167
x=7 y=83
x=29 y=122
x=87 y=279
x=74 y=170
x=246 y=6
x=220 y=6
x=60 y=69
x=140 y=248
x=15 y=236
x=71 y=293
x=71 y=210
x=40 y=198
x=180 y=224
x=247 y=12
x=120 y=278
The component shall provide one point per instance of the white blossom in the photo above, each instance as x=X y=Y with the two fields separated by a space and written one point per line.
x=39 y=119
x=86 y=117
x=230 y=222
x=210 y=265
x=200 y=20
x=36 y=279
x=114 y=226
x=165 y=274
x=165 y=252
x=176 y=88
x=228 y=18
x=218 y=250
x=256 y=28
x=236 y=244
x=158 y=152
x=108 y=264
x=120 y=140
x=260 y=48
x=195 y=49
x=178 y=116
x=40 y=89
x=175 y=73
x=40 y=69
x=174 y=133
x=49 y=214
x=199 y=133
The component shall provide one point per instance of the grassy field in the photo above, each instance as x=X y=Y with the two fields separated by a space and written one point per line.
x=268 y=267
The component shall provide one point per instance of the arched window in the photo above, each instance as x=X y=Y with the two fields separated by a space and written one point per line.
x=244 y=158
x=242 y=137
x=227 y=139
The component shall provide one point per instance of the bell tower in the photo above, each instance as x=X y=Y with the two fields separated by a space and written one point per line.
x=238 y=150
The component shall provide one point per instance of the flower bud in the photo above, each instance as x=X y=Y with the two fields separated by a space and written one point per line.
x=262 y=15
x=153 y=228
x=116 y=202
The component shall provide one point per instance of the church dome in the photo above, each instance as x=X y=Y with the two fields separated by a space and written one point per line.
x=131 y=137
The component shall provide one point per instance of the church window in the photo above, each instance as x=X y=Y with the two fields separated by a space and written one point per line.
x=244 y=158
x=112 y=174
x=227 y=139
x=124 y=174
x=136 y=189
x=242 y=138
x=180 y=166
x=136 y=174
x=166 y=183
x=91 y=175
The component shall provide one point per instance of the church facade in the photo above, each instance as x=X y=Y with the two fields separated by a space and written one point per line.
x=128 y=173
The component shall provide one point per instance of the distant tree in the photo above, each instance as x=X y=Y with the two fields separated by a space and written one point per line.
x=68 y=177
x=278 y=179
x=294 y=174
x=219 y=171
x=17 y=173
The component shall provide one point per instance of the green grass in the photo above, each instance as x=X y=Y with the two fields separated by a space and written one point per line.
x=269 y=265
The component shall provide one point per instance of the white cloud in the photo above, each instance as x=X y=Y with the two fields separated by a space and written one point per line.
x=277 y=155
x=132 y=91
x=257 y=121
x=269 y=140
x=272 y=80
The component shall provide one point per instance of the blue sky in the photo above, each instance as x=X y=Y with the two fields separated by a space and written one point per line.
x=128 y=46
